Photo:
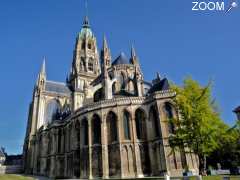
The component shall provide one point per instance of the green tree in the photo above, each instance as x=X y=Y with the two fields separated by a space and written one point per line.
x=228 y=151
x=200 y=125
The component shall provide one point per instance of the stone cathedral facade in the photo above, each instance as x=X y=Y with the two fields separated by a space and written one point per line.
x=105 y=121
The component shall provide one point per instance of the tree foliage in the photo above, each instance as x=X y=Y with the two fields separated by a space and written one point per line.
x=200 y=125
x=228 y=151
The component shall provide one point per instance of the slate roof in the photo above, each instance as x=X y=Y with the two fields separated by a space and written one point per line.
x=121 y=59
x=161 y=86
x=57 y=87
x=237 y=109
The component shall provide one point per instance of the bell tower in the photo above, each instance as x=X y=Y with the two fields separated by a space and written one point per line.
x=85 y=65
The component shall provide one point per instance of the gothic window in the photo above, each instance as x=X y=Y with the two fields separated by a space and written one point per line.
x=59 y=141
x=96 y=129
x=52 y=110
x=49 y=144
x=131 y=87
x=126 y=125
x=82 y=64
x=77 y=133
x=140 y=124
x=169 y=116
x=153 y=117
x=112 y=127
x=89 y=46
x=122 y=81
x=114 y=88
x=83 y=45
x=85 y=132
x=90 y=64
x=98 y=95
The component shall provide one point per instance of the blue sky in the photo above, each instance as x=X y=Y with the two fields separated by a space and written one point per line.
x=168 y=36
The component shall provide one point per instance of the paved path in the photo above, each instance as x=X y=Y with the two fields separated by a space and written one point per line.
x=40 y=178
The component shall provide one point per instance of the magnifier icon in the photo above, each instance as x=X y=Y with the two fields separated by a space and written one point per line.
x=232 y=5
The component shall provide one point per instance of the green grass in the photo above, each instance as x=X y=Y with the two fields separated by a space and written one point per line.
x=212 y=178
x=14 y=177
x=220 y=177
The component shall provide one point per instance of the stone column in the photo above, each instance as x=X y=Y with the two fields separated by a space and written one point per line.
x=105 y=164
x=35 y=156
x=120 y=139
x=138 y=164
x=166 y=149
x=90 y=147
x=32 y=154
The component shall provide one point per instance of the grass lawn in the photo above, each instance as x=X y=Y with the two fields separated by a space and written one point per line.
x=14 y=177
x=220 y=177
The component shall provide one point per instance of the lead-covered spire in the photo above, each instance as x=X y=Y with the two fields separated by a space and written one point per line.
x=86 y=23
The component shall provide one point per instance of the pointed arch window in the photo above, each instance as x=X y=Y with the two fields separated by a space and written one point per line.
x=59 y=141
x=114 y=88
x=82 y=64
x=112 y=127
x=83 y=45
x=126 y=125
x=122 y=81
x=52 y=111
x=90 y=64
x=131 y=87
x=96 y=129
x=77 y=133
x=140 y=124
x=169 y=116
x=153 y=116
x=89 y=46
x=85 y=132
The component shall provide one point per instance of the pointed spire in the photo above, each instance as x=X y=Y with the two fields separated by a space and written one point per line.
x=43 y=68
x=86 y=23
x=105 y=45
x=158 y=76
x=134 y=59
x=133 y=52
x=105 y=55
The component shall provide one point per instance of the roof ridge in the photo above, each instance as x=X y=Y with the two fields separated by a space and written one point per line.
x=56 y=82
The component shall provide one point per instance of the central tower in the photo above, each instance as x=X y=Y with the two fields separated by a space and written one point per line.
x=85 y=65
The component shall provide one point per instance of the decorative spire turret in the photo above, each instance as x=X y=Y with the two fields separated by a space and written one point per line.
x=42 y=76
x=105 y=55
x=134 y=59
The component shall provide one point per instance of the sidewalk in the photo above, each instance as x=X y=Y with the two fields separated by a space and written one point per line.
x=39 y=177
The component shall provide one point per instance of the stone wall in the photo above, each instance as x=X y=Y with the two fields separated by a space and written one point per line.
x=11 y=169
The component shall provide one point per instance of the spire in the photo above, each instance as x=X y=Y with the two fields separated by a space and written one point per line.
x=43 y=68
x=105 y=45
x=158 y=76
x=86 y=23
x=134 y=59
x=133 y=52
x=41 y=79
x=105 y=54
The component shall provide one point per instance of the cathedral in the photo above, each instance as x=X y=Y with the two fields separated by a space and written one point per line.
x=105 y=121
